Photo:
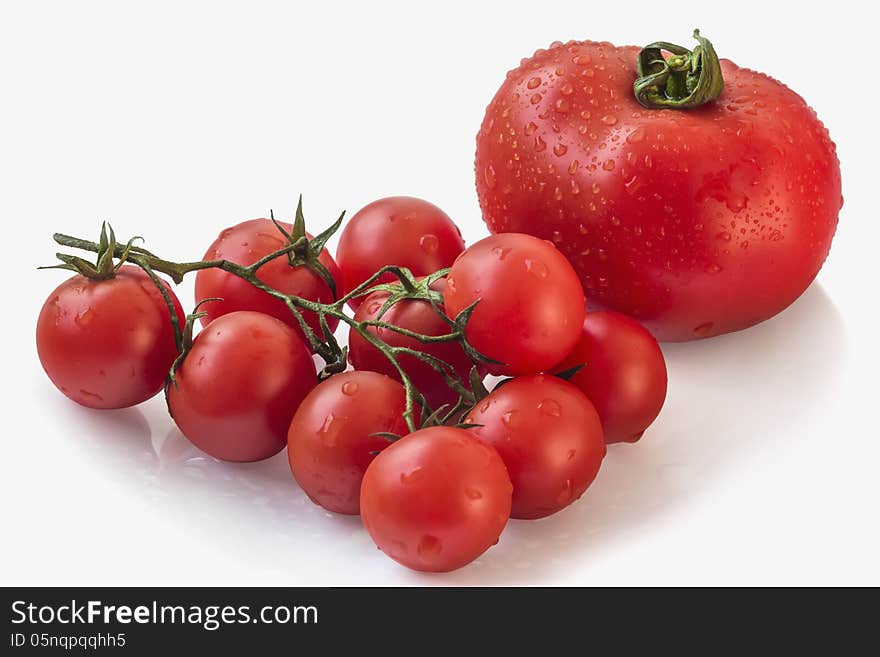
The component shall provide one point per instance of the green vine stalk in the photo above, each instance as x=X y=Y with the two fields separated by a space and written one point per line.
x=325 y=345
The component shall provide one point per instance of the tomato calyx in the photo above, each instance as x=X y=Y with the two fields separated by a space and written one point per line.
x=305 y=252
x=186 y=339
x=103 y=267
x=684 y=80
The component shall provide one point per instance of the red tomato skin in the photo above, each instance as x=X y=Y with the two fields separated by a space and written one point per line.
x=239 y=386
x=436 y=499
x=330 y=442
x=624 y=374
x=415 y=315
x=696 y=222
x=398 y=230
x=531 y=302
x=550 y=438
x=108 y=344
x=244 y=244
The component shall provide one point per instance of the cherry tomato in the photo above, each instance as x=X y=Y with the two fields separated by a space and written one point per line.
x=624 y=374
x=531 y=303
x=549 y=436
x=695 y=222
x=238 y=387
x=399 y=230
x=108 y=343
x=436 y=499
x=419 y=316
x=332 y=437
x=244 y=244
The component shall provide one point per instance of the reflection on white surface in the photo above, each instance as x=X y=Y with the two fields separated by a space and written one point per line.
x=727 y=395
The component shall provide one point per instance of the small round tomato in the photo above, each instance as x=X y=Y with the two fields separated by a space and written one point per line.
x=108 y=343
x=399 y=230
x=244 y=244
x=332 y=438
x=548 y=435
x=624 y=373
x=531 y=304
x=415 y=315
x=436 y=499
x=237 y=389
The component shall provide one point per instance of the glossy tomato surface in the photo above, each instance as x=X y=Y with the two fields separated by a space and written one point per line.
x=108 y=343
x=531 y=304
x=332 y=438
x=398 y=230
x=418 y=316
x=548 y=435
x=436 y=499
x=244 y=244
x=696 y=222
x=238 y=387
x=624 y=373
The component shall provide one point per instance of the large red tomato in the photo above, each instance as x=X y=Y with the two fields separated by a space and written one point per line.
x=108 y=343
x=237 y=389
x=244 y=244
x=697 y=222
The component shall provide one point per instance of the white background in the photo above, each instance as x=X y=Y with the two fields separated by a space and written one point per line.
x=175 y=121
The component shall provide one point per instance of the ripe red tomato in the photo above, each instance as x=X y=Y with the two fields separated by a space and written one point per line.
x=331 y=439
x=238 y=387
x=244 y=244
x=549 y=436
x=436 y=499
x=108 y=343
x=531 y=302
x=695 y=222
x=398 y=230
x=624 y=374
x=419 y=316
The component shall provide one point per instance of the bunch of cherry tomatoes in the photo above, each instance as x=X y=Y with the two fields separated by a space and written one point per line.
x=433 y=462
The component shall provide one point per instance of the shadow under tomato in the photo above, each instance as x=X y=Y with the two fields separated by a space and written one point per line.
x=726 y=396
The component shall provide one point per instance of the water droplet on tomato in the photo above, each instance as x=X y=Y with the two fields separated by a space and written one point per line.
x=723 y=235
x=608 y=165
x=533 y=83
x=499 y=252
x=412 y=476
x=511 y=419
x=350 y=388
x=473 y=493
x=712 y=268
x=536 y=267
x=534 y=100
x=540 y=144
x=429 y=243
x=85 y=317
x=567 y=89
x=328 y=435
x=489 y=175
x=550 y=407
x=609 y=119
x=566 y=493
x=704 y=330
x=636 y=135
x=530 y=128
x=560 y=149
x=429 y=546
x=562 y=106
